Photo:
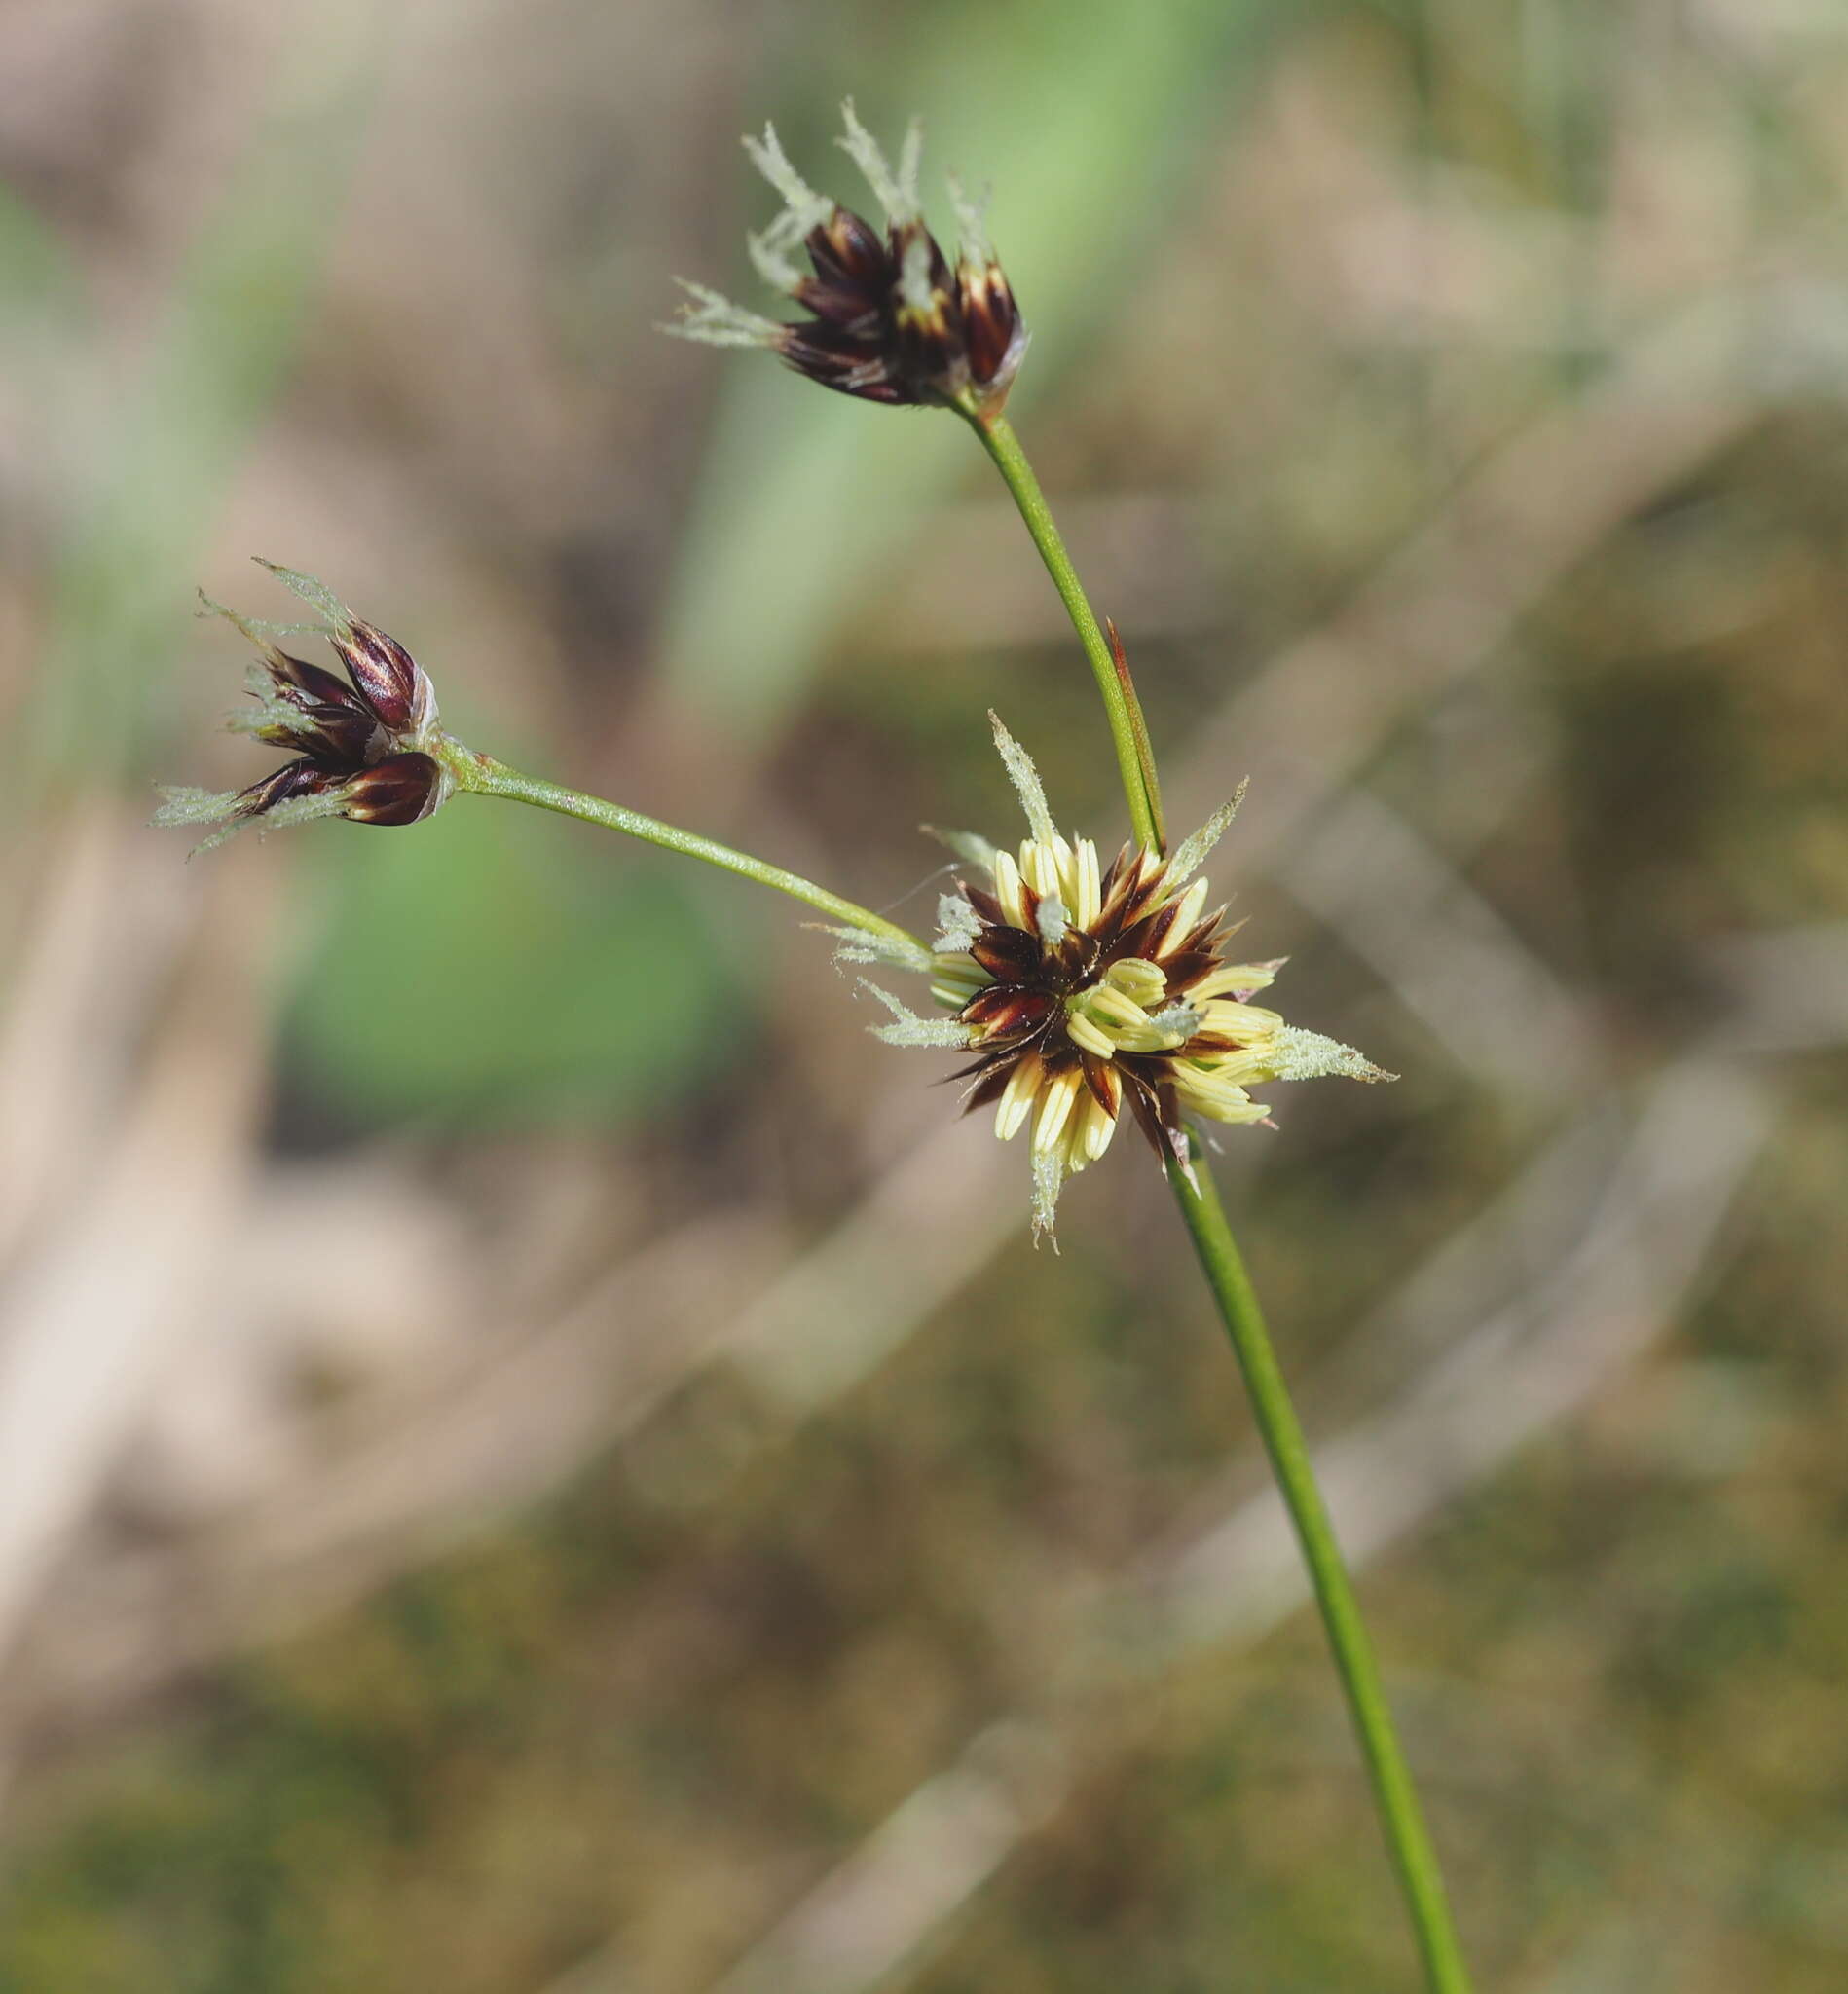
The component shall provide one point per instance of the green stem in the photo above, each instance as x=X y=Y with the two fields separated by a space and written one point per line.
x=1128 y=731
x=1394 y=1795
x=482 y=775
x=1393 y=1792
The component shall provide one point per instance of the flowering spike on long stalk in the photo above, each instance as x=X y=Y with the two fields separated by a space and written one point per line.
x=363 y=743
x=891 y=318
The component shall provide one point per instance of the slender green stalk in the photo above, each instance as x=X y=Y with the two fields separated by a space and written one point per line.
x=1394 y=1795
x=482 y=775
x=1128 y=731
x=1393 y=1792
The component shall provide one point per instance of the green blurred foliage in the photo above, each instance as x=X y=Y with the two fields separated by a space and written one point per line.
x=475 y=971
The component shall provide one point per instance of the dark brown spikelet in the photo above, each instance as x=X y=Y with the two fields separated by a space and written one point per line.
x=993 y=334
x=402 y=788
x=895 y=323
x=365 y=739
x=384 y=673
x=891 y=318
x=288 y=784
x=363 y=743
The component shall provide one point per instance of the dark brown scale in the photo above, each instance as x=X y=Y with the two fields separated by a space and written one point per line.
x=319 y=685
x=841 y=305
x=1148 y=935
x=336 y=734
x=1104 y=1082
x=1004 y=1008
x=1187 y=966
x=1010 y=955
x=988 y=1089
x=839 y=359
x=283 y=785
x=990 y=320
x=1075 y=959
x=1146 y=1108
x=402 y=788
x=383 y=672
x=1004 y=1057
x=850 y=249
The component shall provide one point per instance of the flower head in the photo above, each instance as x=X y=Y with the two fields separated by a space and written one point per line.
x=891 y=320
x=361 y=743
x=1083 y=989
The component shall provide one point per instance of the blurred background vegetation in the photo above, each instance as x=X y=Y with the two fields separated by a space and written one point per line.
x=533 y=1460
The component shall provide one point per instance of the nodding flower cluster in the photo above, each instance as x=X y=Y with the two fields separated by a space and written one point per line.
x=1083 y=989
x=891 y=318
x=362 y=744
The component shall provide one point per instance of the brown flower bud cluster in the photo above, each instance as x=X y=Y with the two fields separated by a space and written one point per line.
x=892 y=319
x=362 y=744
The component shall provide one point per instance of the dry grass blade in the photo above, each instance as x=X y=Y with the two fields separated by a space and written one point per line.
x=112 y=1282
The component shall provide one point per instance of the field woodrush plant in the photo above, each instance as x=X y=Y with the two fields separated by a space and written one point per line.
x=1081 y=988
x=1034 y=1012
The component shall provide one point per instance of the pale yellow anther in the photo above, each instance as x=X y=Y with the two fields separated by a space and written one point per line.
x=1108 y=1005
x=1245 y=1023
x=1006 y=889
x=1244 y=976
x=1039 y=867
x=1098 y=1127
x=1087 y=1035
x=1055 y=1105
x=1138 y=978
x=1017 y=1099
x=1087 y=897
x=1212 y=1096
x=1186 y=912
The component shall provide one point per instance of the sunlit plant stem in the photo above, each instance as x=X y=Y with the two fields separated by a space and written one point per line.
x=1395 y=1796
x=482 y=775
x=1128 y=733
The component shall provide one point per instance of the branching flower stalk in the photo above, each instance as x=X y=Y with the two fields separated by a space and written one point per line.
x=1082 y=989
x=1064 y=985
x=883 y=940
x=371 y=750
